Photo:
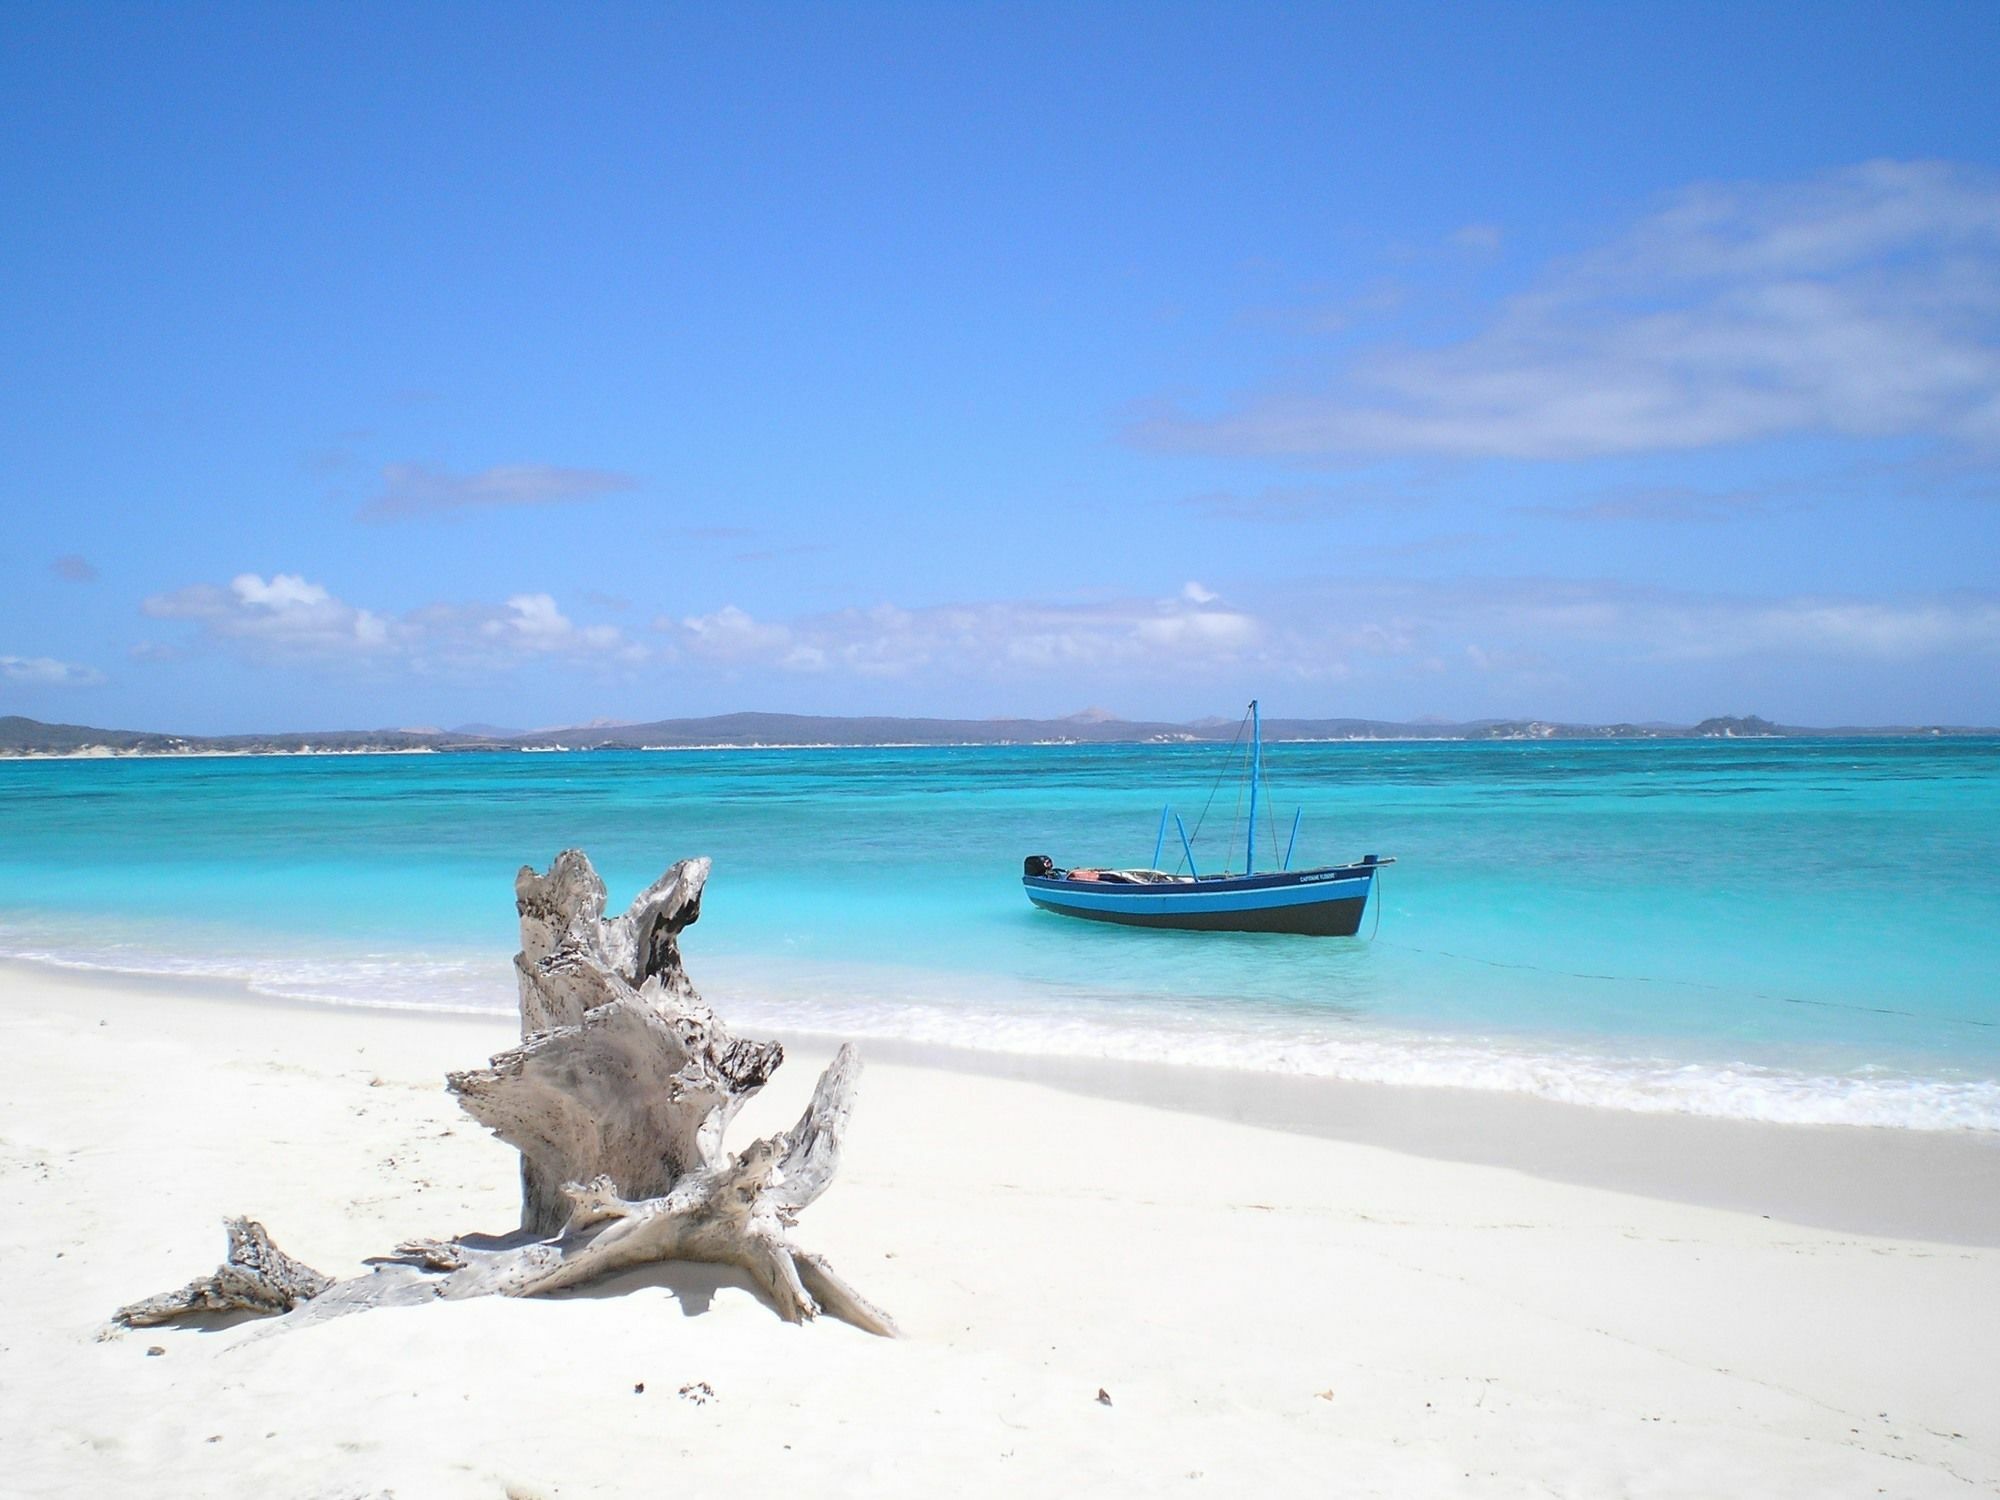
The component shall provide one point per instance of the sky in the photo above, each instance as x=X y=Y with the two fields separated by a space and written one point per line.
x=373 y=366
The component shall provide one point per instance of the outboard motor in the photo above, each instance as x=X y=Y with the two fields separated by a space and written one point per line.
x=1038 y=864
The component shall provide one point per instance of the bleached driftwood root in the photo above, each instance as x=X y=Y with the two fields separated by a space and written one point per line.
x=617 y=1100
x=255 y=1277
x=624 y=1071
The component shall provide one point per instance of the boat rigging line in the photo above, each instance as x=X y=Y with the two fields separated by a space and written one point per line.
x=1216 y=786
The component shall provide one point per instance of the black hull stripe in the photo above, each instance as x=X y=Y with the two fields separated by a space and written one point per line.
x=1318 y=919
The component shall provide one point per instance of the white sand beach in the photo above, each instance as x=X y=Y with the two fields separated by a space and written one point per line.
x=1269 y=1311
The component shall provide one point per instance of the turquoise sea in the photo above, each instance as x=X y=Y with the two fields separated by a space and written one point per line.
x=1782 y=929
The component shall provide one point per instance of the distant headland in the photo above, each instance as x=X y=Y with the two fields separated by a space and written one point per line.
x=22 y=737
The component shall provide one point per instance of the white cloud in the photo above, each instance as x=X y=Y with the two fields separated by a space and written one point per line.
x=1855 y=629
x=1500 y=624
x=731 y=635
x=1202 y=632
x=46 y=671
x=1459 y=646
x=1518 y=645
x=1863 y=303
x=988 y=639
x=534 y=623
x=288 y=618
x=283 y=614
x=410 y=490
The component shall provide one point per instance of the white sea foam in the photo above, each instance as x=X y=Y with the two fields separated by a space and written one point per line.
x=980 y=1014
x=369 y=981
x=1729 y=1090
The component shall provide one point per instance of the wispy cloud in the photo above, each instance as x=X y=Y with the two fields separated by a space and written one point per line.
x=74 y=568
x=772 y=554
x=718 y=533
x=1478 y=239
x=533 y=623
x=46 y=671
x=1512 y=643
x=1002 y=639
x=1863 y=303
x=287 y=619
x=1662 y=503
x=1551 y=620
x=1855 y=629
x=1291 y=503
x=281 y=615
x=1437 y=643
x=414 y=490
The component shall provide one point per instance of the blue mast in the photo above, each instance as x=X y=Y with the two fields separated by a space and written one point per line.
x=1256 y=765
x=1187 y=848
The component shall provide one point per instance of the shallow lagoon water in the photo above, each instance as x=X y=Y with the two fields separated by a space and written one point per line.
x=1799 y=930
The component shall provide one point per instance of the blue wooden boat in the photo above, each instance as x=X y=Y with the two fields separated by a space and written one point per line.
x=1325 y=902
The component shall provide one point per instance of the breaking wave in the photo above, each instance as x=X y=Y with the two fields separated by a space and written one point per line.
x=981 y=1014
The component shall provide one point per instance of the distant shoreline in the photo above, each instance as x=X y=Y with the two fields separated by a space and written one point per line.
x=100 y=752
x=30 y=739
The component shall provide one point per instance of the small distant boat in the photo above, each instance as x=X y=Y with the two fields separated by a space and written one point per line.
x=1323 y=902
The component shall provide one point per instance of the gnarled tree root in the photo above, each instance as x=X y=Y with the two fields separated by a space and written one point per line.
x=617 y=1100
x=256 y=1277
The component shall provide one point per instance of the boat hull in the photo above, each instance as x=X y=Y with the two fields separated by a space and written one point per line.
x=1313 y=903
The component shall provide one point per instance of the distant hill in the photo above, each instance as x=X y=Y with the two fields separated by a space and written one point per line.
x=1748 y=728
x=19 y=736
x=29 y=737
x=812 y=729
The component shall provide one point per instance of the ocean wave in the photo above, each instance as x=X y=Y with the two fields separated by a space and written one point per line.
x=1734 y=1090
x=983 y=1015
x=475 y=986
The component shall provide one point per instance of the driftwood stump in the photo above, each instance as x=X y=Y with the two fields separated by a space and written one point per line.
x=623 y=1071
x=617 y=1100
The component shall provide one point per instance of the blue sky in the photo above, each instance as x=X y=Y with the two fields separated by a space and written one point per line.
x=396 y=365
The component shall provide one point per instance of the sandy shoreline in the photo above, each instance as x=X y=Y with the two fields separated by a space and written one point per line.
x=1912 y=1184
x=1942 y=1186
x=1272 y=1308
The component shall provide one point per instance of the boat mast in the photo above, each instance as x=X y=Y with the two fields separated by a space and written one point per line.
x=1256 y=766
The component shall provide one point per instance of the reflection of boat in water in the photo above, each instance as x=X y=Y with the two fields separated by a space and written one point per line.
x=1323 y=902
